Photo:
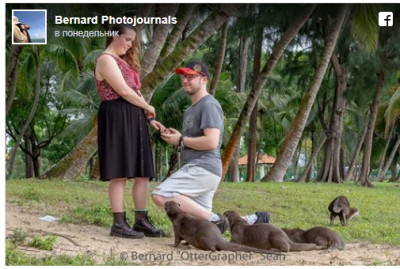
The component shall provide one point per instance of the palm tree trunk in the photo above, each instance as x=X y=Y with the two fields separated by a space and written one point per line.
x=252 y=137
x=396 y=178
x=28 y=159
x=189 y=45
x=158 y=41
x=278 y=50
x=12 y=72
x=251 y=153
x=220 y=58
x=184 y=14
x=393 y=167
x=312 y=159
x=261 y=138
x=310 y=170
x=234 y=174
x=349 y=174
x=363 y=179
x=291 y=140
x=383 y=155
x=73 y=165
x=36 y=151
x=296 y=161
x=332 y=153
x=381 y=176
x=95 y=174
x=244 y=47
x=13 y=151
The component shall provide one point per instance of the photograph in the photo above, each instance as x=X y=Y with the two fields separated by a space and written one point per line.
x=29 y=27
x=202 y=134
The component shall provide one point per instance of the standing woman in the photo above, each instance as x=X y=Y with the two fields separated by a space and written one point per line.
x=123 y=135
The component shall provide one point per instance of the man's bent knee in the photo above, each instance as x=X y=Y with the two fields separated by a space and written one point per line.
x=159 y=200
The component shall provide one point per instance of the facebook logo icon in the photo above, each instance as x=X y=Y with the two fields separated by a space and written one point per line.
x=385 y=18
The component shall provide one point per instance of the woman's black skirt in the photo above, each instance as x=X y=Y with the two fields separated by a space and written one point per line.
x=123 y=141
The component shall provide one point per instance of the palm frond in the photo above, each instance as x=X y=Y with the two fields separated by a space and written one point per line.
x=64 y=57
x=365 y=29
x=88 y=85
x=173 y=108
x=48 y=68
x=75 y=96
x=64 y=83
x=26 y=78
x=81 y=125
x=91 y=57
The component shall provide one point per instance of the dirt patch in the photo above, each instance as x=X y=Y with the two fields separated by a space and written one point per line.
x=96 y=242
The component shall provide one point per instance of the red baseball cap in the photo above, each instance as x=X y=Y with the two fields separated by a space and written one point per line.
x=194 y=67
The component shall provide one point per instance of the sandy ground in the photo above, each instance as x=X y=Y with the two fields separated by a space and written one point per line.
x=96 y=242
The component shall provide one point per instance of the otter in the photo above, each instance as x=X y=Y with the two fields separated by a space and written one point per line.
x=340 y=206
x=319 y=235
x=261 y=235
x=200 y=233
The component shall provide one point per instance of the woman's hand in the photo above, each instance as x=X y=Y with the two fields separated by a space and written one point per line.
x=150 y=112
x=158 y=126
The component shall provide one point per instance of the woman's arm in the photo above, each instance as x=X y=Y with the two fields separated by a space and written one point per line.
x=107 y=68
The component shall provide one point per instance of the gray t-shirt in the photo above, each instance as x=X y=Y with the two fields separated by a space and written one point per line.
x=207 y=113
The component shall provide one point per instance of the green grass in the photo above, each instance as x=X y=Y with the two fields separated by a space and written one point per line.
x=46 y=243
x=291 y=204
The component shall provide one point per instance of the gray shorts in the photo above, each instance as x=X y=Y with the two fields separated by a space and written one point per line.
x=191 y=181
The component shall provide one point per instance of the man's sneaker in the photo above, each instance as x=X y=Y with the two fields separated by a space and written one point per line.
x=263 y=217
x=222 y=224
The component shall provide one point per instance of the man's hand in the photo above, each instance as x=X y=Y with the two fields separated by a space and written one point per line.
x=171 y=136
x=158 y=126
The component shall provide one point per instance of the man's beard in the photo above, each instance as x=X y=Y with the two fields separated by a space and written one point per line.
x=193 y=90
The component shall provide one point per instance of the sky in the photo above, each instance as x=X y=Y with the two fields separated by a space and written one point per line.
x=36 y=20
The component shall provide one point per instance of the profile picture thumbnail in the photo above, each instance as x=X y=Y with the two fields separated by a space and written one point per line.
x=29 y=27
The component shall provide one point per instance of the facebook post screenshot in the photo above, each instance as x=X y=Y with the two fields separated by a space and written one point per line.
x=188 y=134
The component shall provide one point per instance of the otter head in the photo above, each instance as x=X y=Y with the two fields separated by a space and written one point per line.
x=291 y=232
x=171 y=207
x=353 y=213
x=233 y=217
x=350 y=213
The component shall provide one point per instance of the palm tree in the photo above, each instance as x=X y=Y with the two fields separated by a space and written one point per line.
x=261 y=80
x=387 y=56
x=251 y=155
x=12 y=72
x=84 y=129
x=183 y=16
x=158 y=40
x=294 y=134
x=13 y=152
x=355 y=155
x=74 y=163
x=392 y=116
x=220 y=58
x=188 y=46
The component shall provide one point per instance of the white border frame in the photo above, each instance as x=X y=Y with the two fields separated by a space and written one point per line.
x=45 y=26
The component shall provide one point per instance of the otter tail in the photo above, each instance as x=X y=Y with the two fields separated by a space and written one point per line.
x=237 y=247
x=301 y=246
